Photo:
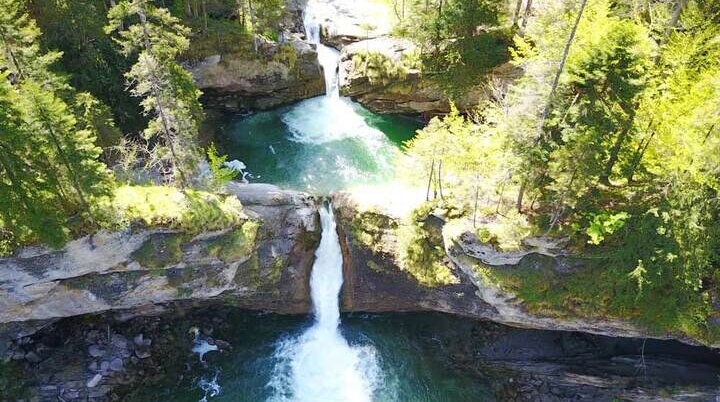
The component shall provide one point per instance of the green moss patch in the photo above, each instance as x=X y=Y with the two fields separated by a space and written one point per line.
x=601 y=291
x=235 y=244
x=367 y=229
x=160 y=251
x=190 y=211
x=12 y=381
x=421 y=248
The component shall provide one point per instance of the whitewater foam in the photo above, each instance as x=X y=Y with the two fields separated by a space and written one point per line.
x=320 y=365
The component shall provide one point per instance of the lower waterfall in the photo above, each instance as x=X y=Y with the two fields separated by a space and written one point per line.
x=320 y=365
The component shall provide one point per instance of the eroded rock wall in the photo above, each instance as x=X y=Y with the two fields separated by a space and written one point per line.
x=280 y=75
x=375 y=280
x=264 y=264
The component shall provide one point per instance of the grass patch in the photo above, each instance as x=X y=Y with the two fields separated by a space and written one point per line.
x=190 y=211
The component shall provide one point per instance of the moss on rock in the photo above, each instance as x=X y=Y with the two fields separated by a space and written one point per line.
x=160 y=251
x=12 y=381
x=236 y=243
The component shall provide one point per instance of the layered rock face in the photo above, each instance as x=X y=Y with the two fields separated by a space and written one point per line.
x=264 y=264
x=375 y=281
x=283 y=74
x=405 y=90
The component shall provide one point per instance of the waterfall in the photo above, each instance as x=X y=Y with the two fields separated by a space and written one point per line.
x=319 y=365
x=328 y=57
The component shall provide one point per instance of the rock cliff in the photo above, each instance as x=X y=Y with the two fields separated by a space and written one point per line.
x=375 y=281
x=263 y=264
x=279 y=75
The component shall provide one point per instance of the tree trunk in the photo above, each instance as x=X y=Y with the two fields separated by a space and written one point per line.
x=241 y=12
x=440 y=180
x=679 y=6
x=526 y=17
x=430 y=177
x=159 y=101
x=12 y=55
x=205 y=17
x=639 y=153
x=252 y=22
x=196 y=8
x=615 y=151
x=556 y=79
x=477 y=193
x=521 y=195
x=516 y=14
x=188 y=9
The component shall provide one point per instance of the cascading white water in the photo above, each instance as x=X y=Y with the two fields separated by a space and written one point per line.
x=332 y=118
x=320 y=365
x=328 y=57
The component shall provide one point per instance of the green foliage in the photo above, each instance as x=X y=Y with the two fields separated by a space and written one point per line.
x=460 y=40
x=603 y=225
x=420 y=246
x=228 y=26
x=51 y=179
x=622 y=157
x=168 y=92
x=381 y=69
x=221 y=174
x=90 y=58
x=191 y=211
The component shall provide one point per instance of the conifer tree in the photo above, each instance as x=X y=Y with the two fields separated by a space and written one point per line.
x=57 y=168
x=29 y=192
x=169 y=93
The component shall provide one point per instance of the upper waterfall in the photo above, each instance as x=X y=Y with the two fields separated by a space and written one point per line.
x=328 y=57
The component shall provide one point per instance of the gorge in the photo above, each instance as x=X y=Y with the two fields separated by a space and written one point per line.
x=309 y=295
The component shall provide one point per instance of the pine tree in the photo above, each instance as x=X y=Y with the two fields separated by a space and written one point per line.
x=30 y=197
x=169 y=93
x=60 y=159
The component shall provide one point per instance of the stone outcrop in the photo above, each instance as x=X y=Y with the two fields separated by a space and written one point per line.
x=279 y=75
x=374 y=281
x=344 y=22
x=262 y=264
x=408 y=92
